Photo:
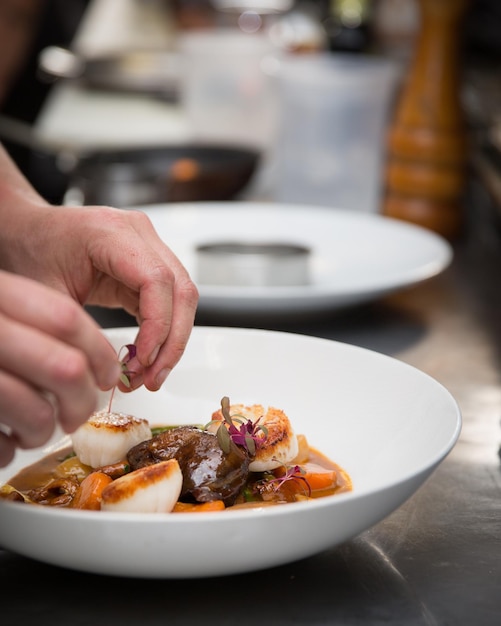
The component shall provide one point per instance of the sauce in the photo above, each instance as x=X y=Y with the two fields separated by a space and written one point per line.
x=63 y=464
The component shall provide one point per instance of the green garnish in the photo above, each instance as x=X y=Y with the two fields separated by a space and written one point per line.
x=125 y=373
x=292 y=472
x=239 y=430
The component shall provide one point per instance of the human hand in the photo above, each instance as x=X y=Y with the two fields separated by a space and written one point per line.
x=53 y=356
x=114 y=258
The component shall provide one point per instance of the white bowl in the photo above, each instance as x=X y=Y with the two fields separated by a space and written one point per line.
x=354 y=257
x=388 y=424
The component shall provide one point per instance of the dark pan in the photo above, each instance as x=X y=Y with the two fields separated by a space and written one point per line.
x=185 y=173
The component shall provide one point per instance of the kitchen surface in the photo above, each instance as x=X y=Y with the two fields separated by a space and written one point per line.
x=434 y=561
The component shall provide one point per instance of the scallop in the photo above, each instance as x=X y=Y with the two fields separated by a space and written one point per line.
x=106 y=437
x=278 y=447
x=151 y=489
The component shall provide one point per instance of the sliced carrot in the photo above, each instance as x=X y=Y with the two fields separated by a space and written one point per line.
x=88 y=495
x=318 y=477
x=198 y=507
x=309 y=477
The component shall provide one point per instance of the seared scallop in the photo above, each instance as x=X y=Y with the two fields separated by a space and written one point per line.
x=151 y=489
x=106 y=437
x=277 y=443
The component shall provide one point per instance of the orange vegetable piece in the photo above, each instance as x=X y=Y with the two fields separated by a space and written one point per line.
x=319 y=477
x=198 y=507
x=313 y=477
x=185 y=170
x=88 y=495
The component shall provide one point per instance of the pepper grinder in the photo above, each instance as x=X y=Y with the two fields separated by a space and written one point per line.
x=427 y=142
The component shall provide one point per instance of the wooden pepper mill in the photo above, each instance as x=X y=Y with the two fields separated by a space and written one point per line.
x=427 y=143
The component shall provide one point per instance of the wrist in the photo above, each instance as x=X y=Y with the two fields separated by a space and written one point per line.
x=20 y=210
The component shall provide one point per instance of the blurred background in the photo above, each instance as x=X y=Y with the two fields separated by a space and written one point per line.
x=343 y=103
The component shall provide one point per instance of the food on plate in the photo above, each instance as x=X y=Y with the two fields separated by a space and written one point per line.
x=276 y=442
x=106 y=436
x=246 y=456
x=89 y=493
x=209 y=473
x=152 y=489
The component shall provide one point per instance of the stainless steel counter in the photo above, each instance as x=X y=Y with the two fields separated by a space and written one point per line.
x=435 y=561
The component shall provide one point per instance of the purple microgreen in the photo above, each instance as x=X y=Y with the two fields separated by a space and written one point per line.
x=292 y=472
x=223 y=439
x=125 y=373
x=239 y=430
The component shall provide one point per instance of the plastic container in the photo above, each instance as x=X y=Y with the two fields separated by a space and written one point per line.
x=227 y=87
x=334 y=114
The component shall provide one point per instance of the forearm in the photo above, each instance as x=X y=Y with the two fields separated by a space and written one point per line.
x=14 y=187
x=19 y=206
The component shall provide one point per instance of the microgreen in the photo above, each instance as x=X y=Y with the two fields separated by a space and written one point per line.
x=292 y=472
x=131 y=353
x=125 y=373
x=239 y=430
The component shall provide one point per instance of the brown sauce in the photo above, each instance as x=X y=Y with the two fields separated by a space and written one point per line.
x=40 y=472
x=47 y=468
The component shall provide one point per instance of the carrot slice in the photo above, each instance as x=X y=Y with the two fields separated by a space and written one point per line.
x=198 y=507
x=310 y=477
x=88 y=495
x=318 y=477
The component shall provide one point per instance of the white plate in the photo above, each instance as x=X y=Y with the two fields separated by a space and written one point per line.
x=355 y=257
x=388 y=424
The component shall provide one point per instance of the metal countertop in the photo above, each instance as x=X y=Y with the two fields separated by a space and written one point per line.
x=435 y=561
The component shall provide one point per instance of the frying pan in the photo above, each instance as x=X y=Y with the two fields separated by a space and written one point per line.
x=128 y=176
x=149 y=175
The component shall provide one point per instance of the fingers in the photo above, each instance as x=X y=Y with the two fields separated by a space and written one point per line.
x=166 y=297
x=173 y=348
x=164 y=345
x=44 y=363
x=167 y=355
x=166 y=321
x=7 y=449
x=57 y=316
x=52 y=357
x=28 y=417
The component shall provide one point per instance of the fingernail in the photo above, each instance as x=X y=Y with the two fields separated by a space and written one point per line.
x=161 y=376
x=136 y=381
x=153 y=355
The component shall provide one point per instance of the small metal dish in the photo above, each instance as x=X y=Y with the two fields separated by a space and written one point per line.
x=253 y=264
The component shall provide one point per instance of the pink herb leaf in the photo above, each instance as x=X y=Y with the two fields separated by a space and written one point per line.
x=125 y=374
x=240 y=430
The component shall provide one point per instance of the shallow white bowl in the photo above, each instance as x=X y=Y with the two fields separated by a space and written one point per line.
x=354 y=256
x=388 y=424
